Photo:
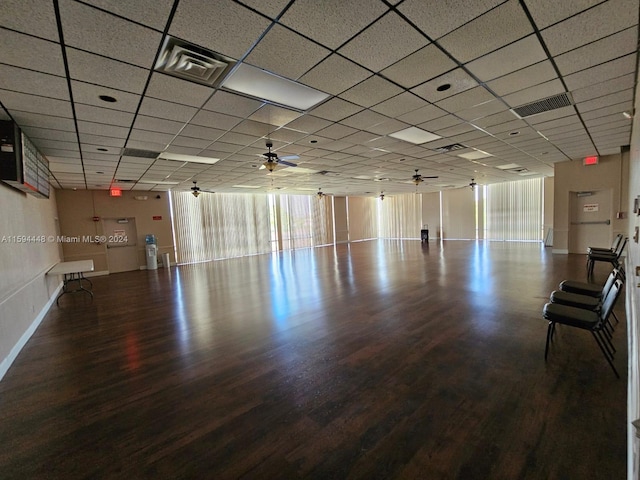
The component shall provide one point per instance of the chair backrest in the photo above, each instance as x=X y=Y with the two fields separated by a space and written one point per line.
x=616 y=242
x=609 y=283
x=610 y=299
x=622 y=245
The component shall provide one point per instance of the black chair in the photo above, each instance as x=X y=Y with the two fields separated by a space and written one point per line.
x=612 y=257
x=586 y=295
x=586 y=320
x=614 y=246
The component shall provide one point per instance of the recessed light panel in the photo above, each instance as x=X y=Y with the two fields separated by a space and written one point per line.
x=246 y=186
x=475 y=155
x=415 y=135
x=508 y=166
x=264 y=85
x=188 y=158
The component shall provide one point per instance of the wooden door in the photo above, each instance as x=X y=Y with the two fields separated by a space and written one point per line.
x=121 y=239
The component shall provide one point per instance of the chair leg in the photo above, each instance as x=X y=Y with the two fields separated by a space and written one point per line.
x=607 y=337
x=604 y=352
x=550 y=330
x=615 y=316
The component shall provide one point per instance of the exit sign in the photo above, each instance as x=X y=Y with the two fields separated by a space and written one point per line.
x=590 y=161
x=115 y=192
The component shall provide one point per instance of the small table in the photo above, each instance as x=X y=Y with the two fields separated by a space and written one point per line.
x=73 y=272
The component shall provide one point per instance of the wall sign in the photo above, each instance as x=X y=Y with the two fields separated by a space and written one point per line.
x=590 y=207
x=157 y=217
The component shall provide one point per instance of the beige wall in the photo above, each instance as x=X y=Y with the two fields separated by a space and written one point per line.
x=573 y=176
x=25 y=290
x=340 y=216
x=77 y=209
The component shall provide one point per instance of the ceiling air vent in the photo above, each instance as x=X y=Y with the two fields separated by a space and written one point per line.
x=135 y=152
x=544 y=105
x=190 y=62
x=450 y=148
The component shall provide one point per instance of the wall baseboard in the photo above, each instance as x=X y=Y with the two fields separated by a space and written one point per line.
x=560 y=250
x=97 y=274
x=15 y=351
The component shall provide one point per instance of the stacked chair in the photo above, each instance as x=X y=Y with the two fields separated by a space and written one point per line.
x=606 y=255
x=586 y=306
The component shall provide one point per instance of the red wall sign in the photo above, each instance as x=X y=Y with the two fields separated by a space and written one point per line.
x=157 y=217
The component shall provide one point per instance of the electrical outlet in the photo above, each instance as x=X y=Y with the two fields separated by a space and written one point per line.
x=637 y=271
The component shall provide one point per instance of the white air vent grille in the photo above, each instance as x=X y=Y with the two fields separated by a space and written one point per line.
x=190 y=62
x=544 y=105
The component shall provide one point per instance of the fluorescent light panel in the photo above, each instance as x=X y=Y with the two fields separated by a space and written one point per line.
x=415 y=135
x=264 y=85
x=246 y=186
x=508 y=166
x=475 y=155
x=158 y=182
x=188 y=158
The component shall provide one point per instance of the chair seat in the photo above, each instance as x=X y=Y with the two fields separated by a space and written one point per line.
x=603 y=256
x=573 y=316
x=575 y=300
x=583 y=288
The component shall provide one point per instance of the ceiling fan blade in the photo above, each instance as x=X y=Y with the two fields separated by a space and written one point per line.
x=289 y=157
x=431 y=177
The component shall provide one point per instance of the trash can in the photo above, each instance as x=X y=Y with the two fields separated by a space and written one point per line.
x=152 y=257
x=166 y=260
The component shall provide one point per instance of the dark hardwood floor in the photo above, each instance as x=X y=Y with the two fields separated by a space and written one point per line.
x=379 y=360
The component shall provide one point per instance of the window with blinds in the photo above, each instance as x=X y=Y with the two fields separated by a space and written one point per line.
x=362 y=214
x=227 y=225
x=513 y=210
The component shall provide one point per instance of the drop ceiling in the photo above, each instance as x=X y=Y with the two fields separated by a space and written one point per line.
x=379 y=70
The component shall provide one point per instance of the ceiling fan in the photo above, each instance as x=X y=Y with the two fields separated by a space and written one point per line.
x=321 y=194
x=417 y=179
x=272 y=159
x=196 y=190
x=473 y=184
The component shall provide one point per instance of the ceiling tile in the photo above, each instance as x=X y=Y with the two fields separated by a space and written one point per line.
x=215 y=120
x=515 y=56
x=605 y=19
x=373 y=90
x=335 y=109
x=458 y=81
x=383 y=43
x=34 y=17
x=527 y=77
x=102 y=129
x=274 y=115
x=105 y=34
x=43 y=121
x=89 y=94
x=606 y=100
x=33 y=53
x=334 y=75
x=443 y=17
x=548 y=12
x=423 y=114
x=601 y=51
x=467 y=99
x=91 y=68
x=338 y=131
x=35 y=104
x=605 y=71
x=221 y=26
x=501 y=26
x=152 y=13
x=419 y=67
x=364 y=120
x=158 y=125
x=231 y=103
x=334 y=23
x=274 y=53
x=103 y=115
x=153 y=107
x=604 y=88
x=36 y=83
x=608 y=110
x=308 y=124
x=482 y=110
x=399 y=105
x=271 y=8
x=175 y=90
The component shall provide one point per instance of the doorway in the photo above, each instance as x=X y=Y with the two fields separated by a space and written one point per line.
x=590 y=220
x=121 y=239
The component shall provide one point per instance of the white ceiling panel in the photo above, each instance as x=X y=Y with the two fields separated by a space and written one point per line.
x=29 y=52
x=426 y=63
x=334 y=75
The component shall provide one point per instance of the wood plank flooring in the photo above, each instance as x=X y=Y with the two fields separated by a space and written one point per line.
x=378 y=360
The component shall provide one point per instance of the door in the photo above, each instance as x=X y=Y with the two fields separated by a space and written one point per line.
x=121 y=239
x=590 y=220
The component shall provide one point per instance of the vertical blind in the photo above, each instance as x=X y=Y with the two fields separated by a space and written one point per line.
x=227 y=225
x=400 y=216
x=362 y=214
x=305 y=221
x=514 y=210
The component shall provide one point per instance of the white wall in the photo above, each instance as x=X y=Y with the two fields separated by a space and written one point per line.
x=25 y=290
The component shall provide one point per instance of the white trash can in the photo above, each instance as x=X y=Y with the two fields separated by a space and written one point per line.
x=166 y=260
